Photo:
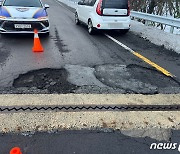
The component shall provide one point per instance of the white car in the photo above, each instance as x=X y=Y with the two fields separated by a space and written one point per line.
x=103 y=15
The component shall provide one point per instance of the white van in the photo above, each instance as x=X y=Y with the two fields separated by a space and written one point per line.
x=104 y=14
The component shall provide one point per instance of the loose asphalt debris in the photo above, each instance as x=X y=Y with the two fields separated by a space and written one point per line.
x=45 y=80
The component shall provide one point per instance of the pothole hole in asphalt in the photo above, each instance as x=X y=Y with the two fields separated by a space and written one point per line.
x=136 y=79
x=133 y=79
x=151 y=76
x=47 y=80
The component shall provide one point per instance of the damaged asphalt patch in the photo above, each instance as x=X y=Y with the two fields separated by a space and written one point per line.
x=134 y=79
x=102 y=79
x=48 y=80
x=86 y=80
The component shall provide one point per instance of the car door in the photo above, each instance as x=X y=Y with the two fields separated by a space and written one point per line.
x=85 y=11
x=88 y=8
x=80 y=9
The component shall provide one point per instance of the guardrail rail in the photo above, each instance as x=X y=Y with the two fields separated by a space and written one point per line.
x=157 y=19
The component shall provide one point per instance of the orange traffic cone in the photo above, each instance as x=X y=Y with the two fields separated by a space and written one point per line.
x=37 y=43
x=15 y=150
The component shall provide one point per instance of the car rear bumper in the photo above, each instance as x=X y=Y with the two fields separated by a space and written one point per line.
x=113 y=26
x=107 y=23
x=7 y=26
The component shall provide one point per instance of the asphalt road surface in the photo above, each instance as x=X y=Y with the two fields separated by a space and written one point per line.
x=86 y=64
x=83 y=142
x=76 y=62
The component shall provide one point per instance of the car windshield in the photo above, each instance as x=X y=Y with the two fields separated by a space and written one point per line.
x=23 y=3
x=118 y=4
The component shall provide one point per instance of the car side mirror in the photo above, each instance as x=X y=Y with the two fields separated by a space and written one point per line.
x=80 y=3
x=46 y=6
x=0 y=3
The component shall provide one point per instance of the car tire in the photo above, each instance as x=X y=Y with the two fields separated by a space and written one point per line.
x=77 y=22
x=91 y=29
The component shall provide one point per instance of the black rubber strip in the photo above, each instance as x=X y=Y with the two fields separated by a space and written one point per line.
x=81 y=108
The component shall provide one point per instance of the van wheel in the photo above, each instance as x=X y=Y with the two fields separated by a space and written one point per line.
x=77 y=19
x=91 y=29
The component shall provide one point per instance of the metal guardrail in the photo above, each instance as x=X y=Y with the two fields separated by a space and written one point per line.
x=158 y=19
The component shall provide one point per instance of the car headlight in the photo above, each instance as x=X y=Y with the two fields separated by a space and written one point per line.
x=45 y=23
x=42 y=18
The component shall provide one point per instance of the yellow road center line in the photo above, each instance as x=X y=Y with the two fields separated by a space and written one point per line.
x=159 y=68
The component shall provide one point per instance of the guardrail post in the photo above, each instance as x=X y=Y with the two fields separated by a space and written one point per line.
x=146 y=22
x=172 y=29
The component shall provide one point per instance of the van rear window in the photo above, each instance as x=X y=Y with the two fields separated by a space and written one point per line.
x=117 y=4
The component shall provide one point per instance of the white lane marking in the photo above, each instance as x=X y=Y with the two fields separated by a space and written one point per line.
x=119 y=43
x=159 y=68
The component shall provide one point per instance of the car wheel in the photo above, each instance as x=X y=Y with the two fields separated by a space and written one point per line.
x=77 y=19
x=91 y=29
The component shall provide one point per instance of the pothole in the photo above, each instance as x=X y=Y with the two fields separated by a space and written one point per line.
x=151 y=76
x=103 y=79
x=133 y=78
x=46 y=80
